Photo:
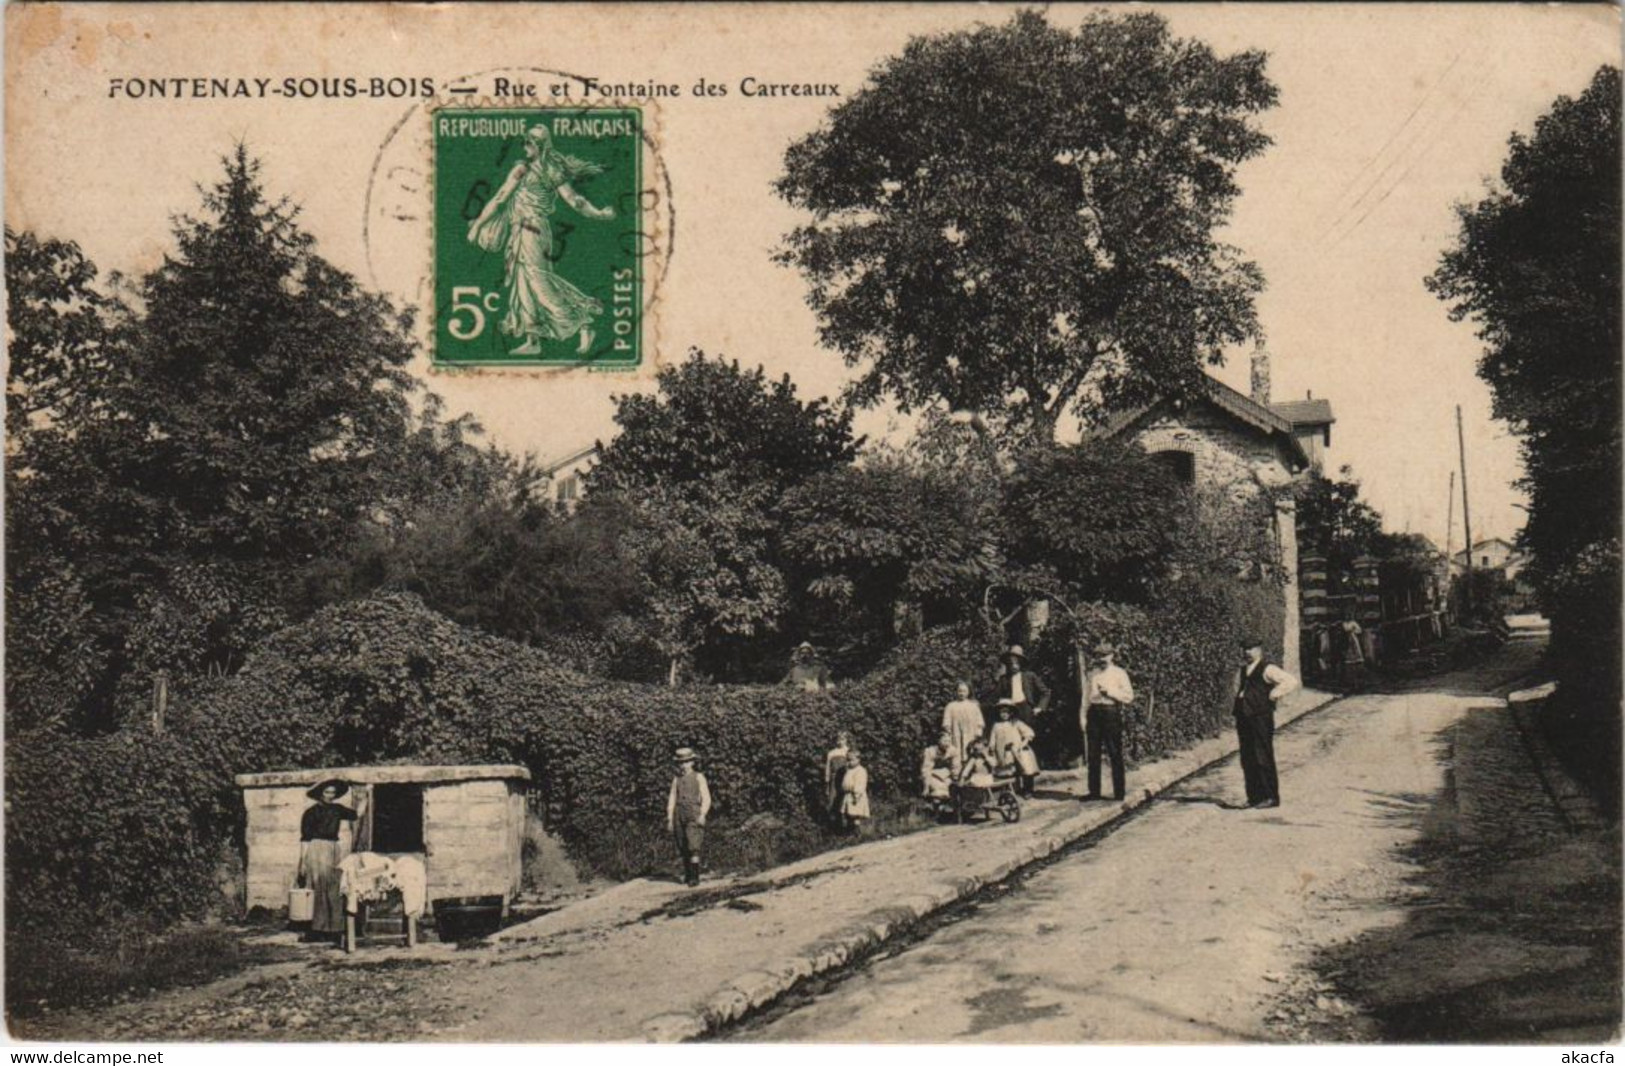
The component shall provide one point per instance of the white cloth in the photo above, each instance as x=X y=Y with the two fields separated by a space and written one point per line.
x=855 y=792
x=1018 y=693
x=1109 y=685
x=368 y=875
x=963 y=720
x=1011 y=742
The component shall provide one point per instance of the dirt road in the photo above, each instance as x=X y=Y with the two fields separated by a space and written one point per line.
x=1200 y=922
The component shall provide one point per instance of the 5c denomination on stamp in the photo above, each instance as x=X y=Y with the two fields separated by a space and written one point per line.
x=540 y=246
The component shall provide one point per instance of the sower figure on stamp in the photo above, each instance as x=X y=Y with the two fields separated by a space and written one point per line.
x=517 y=222
x=1026 y=691
x=1258 y=687
x=686 y=809
x=1106 y=693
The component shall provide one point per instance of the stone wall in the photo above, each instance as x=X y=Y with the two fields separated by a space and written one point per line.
x=1240 y=463
x=1226 y=457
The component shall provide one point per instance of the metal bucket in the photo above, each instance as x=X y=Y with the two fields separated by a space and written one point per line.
x=301 y=904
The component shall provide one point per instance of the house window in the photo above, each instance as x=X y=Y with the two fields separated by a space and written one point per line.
x=567 y=488
x=1483 y=560
x=1181 y=464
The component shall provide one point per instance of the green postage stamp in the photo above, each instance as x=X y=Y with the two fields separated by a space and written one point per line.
x=538 y=237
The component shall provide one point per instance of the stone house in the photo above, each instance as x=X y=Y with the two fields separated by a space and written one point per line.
x=1240 y=445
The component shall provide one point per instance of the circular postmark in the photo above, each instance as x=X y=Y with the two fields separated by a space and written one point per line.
x=530 y=232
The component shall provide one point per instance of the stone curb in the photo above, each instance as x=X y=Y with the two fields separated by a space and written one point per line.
x=758 y=989
x=1574 y=803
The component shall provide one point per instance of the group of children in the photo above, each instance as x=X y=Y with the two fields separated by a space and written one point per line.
x=846 y=785
x=965 y=757
x=962 y=756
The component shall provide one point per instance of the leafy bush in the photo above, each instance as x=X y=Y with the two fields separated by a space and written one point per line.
x=1181 y=653
x=134 y=824
x=1582 y=598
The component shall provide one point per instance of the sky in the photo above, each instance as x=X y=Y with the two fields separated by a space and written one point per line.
x=1389 y=115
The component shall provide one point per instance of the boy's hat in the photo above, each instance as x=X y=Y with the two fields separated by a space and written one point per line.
x=684 y=755
x=1251 y=641
x=1105 y=648
x=1015 y=652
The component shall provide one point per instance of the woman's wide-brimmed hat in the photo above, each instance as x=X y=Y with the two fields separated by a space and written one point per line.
x=316 y=790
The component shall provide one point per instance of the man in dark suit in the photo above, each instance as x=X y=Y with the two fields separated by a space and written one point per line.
x=1259 y=685
x=1024 y=689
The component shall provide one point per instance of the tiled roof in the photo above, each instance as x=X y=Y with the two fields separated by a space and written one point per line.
x=1246 y=408
x=569 y=460
x=1305 y=412
x=1238 y=405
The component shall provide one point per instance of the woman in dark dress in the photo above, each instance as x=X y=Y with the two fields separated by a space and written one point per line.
x=320 y=850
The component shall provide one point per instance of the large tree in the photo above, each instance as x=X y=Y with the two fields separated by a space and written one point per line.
x=709 y=418
x=61 y=335
x=1536 y=268
x=699 y=466
x=180 y=460
x=1019 y=220
x=1334 y=520
x=862 y=540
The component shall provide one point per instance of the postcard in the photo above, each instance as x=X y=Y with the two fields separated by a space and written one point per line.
x=812 y=524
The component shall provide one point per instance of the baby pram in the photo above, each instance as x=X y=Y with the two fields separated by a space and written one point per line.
x=964 y=801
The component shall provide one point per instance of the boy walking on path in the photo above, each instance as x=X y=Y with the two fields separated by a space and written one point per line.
x=1258 y=688
x=1105 y=694
x=686 y=808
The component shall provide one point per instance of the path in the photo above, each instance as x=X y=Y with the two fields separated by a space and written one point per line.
x=1191 y=908
x=1201 y=923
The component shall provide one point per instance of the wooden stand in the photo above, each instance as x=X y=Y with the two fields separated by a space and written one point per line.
x=350 y=932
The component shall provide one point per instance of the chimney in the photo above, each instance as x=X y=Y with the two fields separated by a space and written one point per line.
x=1261 y=374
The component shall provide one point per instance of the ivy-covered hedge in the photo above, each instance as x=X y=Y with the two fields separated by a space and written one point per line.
x=135 y=824
x=1182 y=657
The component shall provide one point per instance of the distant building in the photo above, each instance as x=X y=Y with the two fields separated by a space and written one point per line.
x=1311 y=424
x=1491 y=553
x=564 y=476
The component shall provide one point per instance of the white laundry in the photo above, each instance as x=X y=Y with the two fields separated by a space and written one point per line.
x=365 y=876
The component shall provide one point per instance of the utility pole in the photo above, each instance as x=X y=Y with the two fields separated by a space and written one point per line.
x=1449 y=522
x=1466 y=514
x=1449 y=532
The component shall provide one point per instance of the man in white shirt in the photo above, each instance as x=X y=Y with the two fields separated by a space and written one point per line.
x=1106 y=692
x=1258 y=687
